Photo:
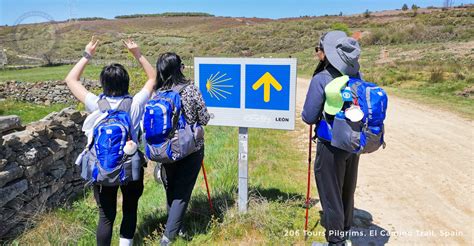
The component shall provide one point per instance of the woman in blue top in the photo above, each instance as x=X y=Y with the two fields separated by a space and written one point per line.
x=335 y=169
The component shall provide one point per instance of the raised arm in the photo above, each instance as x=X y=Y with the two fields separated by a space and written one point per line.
x=149 y=70
x=74 y=76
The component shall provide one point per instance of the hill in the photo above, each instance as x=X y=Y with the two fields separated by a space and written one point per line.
x=424 y=55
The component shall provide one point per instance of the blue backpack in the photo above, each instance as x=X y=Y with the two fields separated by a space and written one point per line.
x=367 y=135
x=104 y=161
x=168 y=136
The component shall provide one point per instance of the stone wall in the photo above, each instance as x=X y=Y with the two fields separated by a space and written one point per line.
x=37 y=169
x=45 y=92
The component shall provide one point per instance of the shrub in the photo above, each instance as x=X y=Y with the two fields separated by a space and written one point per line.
x=437 y=75
x=367 y=13
x=341 y=27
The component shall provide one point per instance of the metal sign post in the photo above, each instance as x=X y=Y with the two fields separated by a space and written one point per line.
x=243 y=169
x=248 y=92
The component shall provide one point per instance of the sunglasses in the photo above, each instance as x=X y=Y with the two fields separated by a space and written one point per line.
x=317 y=49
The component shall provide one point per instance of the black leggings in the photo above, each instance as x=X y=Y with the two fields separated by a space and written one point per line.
x=106 y=198
x=179 y=179
x=336 y=179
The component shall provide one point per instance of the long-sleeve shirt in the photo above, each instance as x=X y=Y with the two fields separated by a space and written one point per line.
x=194 y=107
x=315 y=98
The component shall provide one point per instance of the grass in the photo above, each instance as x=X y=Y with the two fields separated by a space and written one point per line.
x=276 y=212
x=46 y=73
x=28 y=112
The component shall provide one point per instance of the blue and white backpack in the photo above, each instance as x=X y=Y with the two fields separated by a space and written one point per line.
x=104 y=161
x=367 y=135
x=168 y=136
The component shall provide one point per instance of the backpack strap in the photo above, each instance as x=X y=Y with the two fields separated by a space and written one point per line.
x=180 y=87
x=125 y=104
x=103 y=104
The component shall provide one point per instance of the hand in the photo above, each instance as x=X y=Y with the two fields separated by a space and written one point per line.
x=132 y=47
x=92 y=45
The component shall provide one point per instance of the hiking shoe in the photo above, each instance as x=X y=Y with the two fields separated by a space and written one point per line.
x=165 y=241
x=182 y=233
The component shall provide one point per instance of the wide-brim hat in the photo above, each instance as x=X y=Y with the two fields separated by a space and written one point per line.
x=343 y=52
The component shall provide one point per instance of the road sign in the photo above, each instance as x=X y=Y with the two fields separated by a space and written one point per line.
x=248 y=92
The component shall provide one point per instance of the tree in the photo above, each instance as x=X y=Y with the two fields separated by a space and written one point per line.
x=367 y=13
x=448 y=3
x=405 y=7
x=340 y=13
x=414 y=7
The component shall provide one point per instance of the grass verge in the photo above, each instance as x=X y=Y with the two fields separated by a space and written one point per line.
x=28 y=112
x=46 y=73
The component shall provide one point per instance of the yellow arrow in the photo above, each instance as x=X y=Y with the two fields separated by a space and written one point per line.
x=266 y=80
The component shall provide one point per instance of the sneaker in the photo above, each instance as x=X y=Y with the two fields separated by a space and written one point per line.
x=165 y=241
x=319 y=244
x=182 y=233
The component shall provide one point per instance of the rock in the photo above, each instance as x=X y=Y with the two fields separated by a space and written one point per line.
x=9 y=192
x=12 y=173
x=29 y=158
x=3 y=163
x=37 y=170
x=58 y=169
x=16 y=138
x=9 y=122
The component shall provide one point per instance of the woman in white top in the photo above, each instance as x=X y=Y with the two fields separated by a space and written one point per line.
x=114 y=80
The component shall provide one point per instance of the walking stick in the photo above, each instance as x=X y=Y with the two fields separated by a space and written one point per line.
x=309 y=180
x=207 y=187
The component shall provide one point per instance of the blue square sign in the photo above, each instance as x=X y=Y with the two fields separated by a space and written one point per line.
x=220 y=85
x=267 y=87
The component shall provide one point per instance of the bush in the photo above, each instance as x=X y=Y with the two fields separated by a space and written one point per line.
x=367 y=13
x=437 y=75
x=341 y=27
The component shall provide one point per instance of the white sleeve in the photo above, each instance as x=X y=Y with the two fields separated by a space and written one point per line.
x=138 y=108
x=91 y=102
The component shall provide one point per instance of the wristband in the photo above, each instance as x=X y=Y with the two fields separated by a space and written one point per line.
x=87 y=55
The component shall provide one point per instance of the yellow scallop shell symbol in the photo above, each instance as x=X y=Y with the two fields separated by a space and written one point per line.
x=216 y=86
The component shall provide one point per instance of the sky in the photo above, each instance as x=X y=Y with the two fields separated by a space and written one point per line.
x=30 y=11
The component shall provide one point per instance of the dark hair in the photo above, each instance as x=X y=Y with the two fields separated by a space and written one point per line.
x=168 y=68
x=114 y=80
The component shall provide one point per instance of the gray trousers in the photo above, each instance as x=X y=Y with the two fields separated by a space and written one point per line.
x=179 y=179
x=336 y=179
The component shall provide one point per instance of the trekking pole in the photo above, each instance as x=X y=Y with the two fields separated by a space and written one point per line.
x=309 y=180
x=207 y=187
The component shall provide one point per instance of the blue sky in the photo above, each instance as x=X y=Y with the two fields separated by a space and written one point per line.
x=11 y=11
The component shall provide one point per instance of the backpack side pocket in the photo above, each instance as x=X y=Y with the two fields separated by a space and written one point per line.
x=346 y=135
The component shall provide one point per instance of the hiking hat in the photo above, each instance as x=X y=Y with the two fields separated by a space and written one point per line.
x=342 y=52
x=334 y=102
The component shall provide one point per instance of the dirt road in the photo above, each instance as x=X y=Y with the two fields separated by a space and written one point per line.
x=420 y=188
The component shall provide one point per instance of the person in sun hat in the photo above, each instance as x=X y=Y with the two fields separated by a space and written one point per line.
x=335 y=169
